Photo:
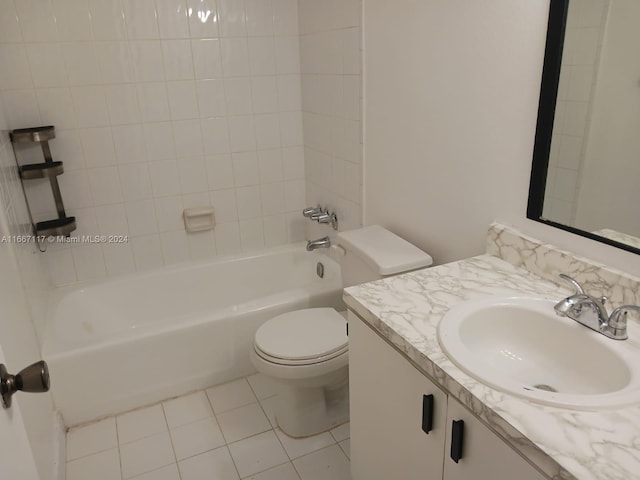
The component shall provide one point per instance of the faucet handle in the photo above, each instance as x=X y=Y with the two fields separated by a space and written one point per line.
x=310 y=211
x=618 y=320
x=575 y=284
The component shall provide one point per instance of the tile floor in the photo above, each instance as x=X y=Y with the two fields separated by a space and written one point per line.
x=226 y=432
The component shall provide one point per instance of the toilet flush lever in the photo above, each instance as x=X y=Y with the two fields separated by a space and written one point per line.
x=34 y=378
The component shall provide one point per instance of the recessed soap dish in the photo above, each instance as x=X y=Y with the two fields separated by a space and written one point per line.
x=198 y=219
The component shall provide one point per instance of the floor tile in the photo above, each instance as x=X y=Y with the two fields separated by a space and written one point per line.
x=341 y=432
x=141 y=423
x=269 y=406
x=92 y=438
x=330 y=463
x=169 y=472
x=258 y=453
x=100 y=466
x=262 y=386
x=196 y=437
x=187 y=409
x=231 y=395
x=243 y=422
x=145 y=455
x=216 y=464
x=345 y=445
x=282 y=472
x=297 y=447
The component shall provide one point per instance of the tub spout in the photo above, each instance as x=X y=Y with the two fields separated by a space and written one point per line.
x=323 y=242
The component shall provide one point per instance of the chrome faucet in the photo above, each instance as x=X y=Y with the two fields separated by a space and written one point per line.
x=324 y=242
x=591 y=312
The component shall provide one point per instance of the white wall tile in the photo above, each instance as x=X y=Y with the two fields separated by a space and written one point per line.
x=188 y=138
x=172 y=18
x=249 y=202
x=141 y=217
x=122 y=104
x=89 y=262
x=47 y=64
x=202 y=245
x=245 y=169
x=105 y=185
x=232 y=18
x=238 y=96
x=97 y=145
x=159 y=141
x=169 y=213
x=107 y=19
x=207 y=60
x=215 y=135
x=183 y=101
x=178 y=61
x=203 y=18
x=163 y=178
x=147 y=252
x=219 y=171
x=261 y=56
x=141 y=18
x=193 y=175
x=225 y=206
x=73 y=20
x=259 y=17
x=91 y=106
x=275 y=230
x=135 y=181
x=129 y=144
x=147 y=61
x=116 y=63
x=112 y=219
x=150 y=98
x=175 y=247
x=9 y=23
x=37 y=20
x=16 y=73
x=268 y=131
x=242 y=133
x=56 y=108
x=227 y=238
x=270 y=165
x=235 y=57
x=264 y=91
x=211 y=98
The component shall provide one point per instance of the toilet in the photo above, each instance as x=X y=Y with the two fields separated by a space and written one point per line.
x=306 y=351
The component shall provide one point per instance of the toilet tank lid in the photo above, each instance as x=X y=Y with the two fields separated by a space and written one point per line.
x=384 y=250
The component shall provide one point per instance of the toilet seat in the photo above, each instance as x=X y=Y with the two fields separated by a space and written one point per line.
x=302 y=337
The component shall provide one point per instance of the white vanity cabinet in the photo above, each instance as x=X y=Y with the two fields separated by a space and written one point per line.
x=391 y=411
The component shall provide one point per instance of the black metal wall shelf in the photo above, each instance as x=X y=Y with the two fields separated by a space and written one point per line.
x=63 y=225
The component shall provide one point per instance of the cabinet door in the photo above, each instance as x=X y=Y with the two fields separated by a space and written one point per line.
x=387 y=396
x=483 y=455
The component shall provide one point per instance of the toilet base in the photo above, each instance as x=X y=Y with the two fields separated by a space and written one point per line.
x=303 y=412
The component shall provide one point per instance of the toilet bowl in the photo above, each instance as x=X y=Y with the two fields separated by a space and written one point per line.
x=306 y=351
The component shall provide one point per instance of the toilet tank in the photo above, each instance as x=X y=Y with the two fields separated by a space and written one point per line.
x=374 y=252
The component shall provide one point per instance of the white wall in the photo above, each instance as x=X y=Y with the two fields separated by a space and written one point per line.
x=160 y=105
x=330 y=53
x=451 y=95
x=609 y=194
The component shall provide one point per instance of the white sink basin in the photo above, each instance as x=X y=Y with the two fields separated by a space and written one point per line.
x=519 y=345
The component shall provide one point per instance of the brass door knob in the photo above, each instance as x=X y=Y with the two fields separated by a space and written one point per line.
x=34 y=378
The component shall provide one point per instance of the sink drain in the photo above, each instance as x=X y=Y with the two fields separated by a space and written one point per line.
x=546 y=388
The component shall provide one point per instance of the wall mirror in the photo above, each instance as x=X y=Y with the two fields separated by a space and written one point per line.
x=586 y=161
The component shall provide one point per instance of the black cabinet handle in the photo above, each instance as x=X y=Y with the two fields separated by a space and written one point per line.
x=457 y=434
x=427 y=413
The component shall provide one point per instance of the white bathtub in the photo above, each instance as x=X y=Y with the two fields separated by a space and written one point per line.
x=121 y=344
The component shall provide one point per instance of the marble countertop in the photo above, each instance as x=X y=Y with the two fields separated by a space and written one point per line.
x=562 y=443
